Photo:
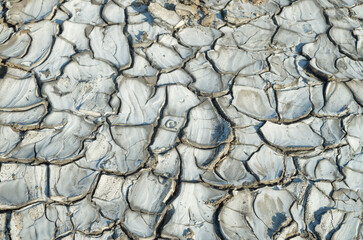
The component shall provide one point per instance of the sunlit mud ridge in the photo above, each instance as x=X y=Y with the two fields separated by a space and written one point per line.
x=220 y=119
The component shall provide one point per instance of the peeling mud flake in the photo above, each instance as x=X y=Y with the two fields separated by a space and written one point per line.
x=267 y=164
x=163 y=57
x=198 y=36
x=255 y=102
x=293 y=136
x=110 y=44
x=293 y=103
x=16 y=46
x=21 y=185
x=25 y=11
x=31 y=222
x=70 y=182
x=83 y=11
x=113 y=13
x=192 y=213
x=165 y=119
x=166 y=15
x=206 y=127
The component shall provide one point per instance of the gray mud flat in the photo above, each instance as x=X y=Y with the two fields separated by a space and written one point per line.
x=165 y=119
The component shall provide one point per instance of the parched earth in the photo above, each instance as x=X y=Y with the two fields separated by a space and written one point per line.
x=220 y=119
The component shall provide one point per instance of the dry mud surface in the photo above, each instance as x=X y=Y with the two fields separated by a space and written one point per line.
x=220 y=119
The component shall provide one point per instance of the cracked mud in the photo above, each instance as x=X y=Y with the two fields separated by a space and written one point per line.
x=165 y=119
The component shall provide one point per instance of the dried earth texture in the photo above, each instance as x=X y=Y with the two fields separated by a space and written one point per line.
x=165 y=119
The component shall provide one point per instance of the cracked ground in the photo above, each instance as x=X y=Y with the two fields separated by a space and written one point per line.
x=165 y=119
